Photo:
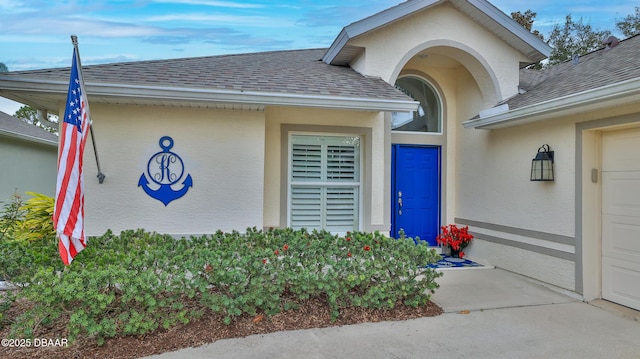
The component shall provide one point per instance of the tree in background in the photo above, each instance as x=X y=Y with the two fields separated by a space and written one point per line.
x=573 y=38
x=29 y=114
x=570 y=38
x=630 y=25
x=526 y=20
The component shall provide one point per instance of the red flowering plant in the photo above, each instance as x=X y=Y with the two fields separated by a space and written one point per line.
x=456 y=238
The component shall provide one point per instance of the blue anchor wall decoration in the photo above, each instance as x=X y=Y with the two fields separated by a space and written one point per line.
x=165 y=169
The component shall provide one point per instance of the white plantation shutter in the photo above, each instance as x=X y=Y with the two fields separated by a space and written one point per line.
x=341 y=164
x=306 y=205
x=307 y=162
x=341 y=209
x=324 y=182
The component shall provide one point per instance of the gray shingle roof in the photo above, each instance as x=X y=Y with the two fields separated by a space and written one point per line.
x=287 y=72
x=595 y=70
x=17 y=127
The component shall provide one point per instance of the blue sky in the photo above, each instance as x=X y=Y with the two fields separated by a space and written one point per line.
x=35 y=34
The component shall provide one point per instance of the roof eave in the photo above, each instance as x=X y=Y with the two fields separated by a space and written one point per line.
x=338 y=44
x=543 y=49
x=200 y=95
x=27 y=138
x=251 y=98
x=371 y=23
x=601 y=98
x=540 y=49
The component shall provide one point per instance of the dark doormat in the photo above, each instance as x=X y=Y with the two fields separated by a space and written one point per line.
x=452 y=262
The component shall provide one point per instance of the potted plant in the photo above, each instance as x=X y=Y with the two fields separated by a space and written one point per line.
x=455 y=238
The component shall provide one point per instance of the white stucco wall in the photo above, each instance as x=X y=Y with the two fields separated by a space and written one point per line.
x=494 y=188
x=548 y=269
x=494 y=178
x=389 y=48
x=223 y=151
x=26 y=166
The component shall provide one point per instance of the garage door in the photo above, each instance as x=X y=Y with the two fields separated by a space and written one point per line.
x=621 y=217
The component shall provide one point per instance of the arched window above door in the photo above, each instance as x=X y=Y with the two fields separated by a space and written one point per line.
x=428 y=116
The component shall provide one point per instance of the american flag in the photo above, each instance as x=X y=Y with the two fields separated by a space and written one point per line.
x=68 y=215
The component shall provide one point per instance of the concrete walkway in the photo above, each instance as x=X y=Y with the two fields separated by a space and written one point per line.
x=509 y=316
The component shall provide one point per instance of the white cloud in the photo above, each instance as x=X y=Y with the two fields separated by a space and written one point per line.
x=217 y=19
x=50 y=26
x=227 y=4
x=13 y=7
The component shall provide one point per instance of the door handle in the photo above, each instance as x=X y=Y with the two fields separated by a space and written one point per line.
x=400 y=203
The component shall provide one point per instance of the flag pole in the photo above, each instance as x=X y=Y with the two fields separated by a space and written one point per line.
x=100 y=175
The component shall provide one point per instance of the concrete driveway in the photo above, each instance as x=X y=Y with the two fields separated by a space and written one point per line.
x=509 y=316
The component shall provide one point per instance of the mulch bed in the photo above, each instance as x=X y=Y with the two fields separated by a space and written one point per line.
x=313 y=313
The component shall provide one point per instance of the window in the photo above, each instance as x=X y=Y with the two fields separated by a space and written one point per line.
x=324 y=182
x=428 y=117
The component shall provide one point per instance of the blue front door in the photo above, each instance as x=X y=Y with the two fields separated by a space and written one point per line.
x=415 y=198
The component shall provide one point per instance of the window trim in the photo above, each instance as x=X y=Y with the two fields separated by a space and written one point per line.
x=360 y=184
x=366 y=133
x=440 y=103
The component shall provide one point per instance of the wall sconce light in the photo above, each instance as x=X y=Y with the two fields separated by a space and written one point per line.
x=542 y=165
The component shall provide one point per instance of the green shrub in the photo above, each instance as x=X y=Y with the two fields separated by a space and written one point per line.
x=137 y=282
x=6 y=300
x=11 y=215
x=28 y=241
x=118 y=285
x=37 y=223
